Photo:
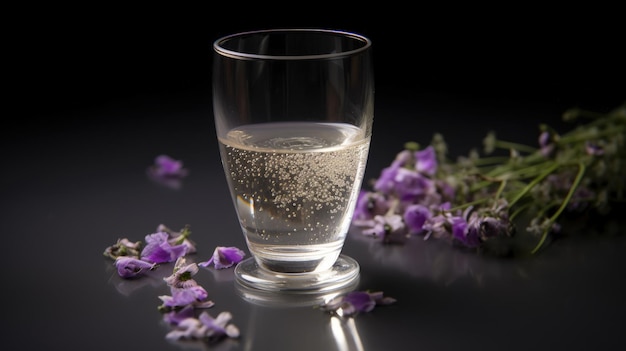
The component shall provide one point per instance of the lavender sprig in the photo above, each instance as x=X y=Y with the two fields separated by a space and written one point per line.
x=481 y=199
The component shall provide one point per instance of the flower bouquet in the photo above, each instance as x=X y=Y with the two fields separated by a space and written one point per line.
x=511 y=199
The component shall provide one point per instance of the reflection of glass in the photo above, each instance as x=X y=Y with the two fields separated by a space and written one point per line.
x=290 y=321
x=291 y=298
x=346 y=335
x=293 y=113
x=221 y=275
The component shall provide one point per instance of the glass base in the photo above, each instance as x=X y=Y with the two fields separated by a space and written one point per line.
x=345 y=272
x=292 y=298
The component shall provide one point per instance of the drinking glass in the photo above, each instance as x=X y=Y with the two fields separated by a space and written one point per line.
x=293 y=114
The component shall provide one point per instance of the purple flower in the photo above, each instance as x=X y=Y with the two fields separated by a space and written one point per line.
x=593 y=149
x=130 y=267
x=165 y=166
x=415 y=216
x=195 y=295
x=123 y=247
x=546 y=143
x=462 y=232
x=426 y=161
x=182 y=273
x=368 y=205
x=386 y=182
x=178 y=238
x=224 y=257
x=389 y=227
x=356 y=302
x=411 y=185
x=158 y=249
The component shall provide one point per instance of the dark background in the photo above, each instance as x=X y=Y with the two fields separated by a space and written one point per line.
x=95 y=92
x=72 y=58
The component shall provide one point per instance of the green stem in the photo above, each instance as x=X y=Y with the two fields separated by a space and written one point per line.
x=568 y=197
x=494 y=160
x=468 y=204
x=532 y=184
x=518 y=211
x=510 y=145
x=532 y=161
x=501 y=188
x=575 y=138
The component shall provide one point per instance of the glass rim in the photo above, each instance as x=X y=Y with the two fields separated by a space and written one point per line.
x=218 y=45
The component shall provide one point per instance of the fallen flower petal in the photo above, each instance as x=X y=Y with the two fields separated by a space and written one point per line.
x=179 y=238
x=182 y=273
x=123 y=247
x=362 y=301
x=158 y=249
x=166 y=166
x=184 y=297
x=224 y=257
x=130 y=267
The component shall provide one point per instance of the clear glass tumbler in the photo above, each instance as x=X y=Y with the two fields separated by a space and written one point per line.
x=293 y=113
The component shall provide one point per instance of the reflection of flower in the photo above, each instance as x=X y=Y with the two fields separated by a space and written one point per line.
x=205 y=327
x=472 y=203
x=431 y=261
x=356 y=302
x=126 y=287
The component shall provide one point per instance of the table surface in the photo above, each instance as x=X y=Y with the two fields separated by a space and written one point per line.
x=75 y=185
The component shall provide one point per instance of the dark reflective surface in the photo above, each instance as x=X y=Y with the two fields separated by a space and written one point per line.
x=74 y=181
x=68 y=195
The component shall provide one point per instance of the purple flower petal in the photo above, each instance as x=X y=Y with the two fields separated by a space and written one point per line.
x=546 y=144
x=159 y=250
x=593 y=149
x=130 y=267
x=224 y=257
x=415 y=216
x=411 y=184
x=386 y=182
x=361 y=301
x=459 y=228
x=182 y=275
x=185 y=296
x=426 y=161
x=165 y=166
